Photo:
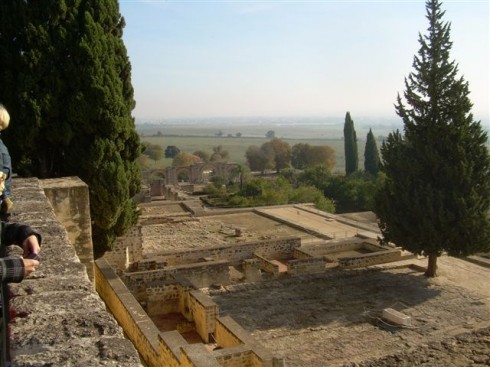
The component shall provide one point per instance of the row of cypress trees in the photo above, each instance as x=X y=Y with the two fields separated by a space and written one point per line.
x=371 y=154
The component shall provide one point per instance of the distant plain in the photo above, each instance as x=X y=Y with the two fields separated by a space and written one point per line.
x=238 y=136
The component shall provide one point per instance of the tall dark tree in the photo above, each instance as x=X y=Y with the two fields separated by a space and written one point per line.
x=371 y=155
x=350 y=146
x=171 y=151
x=299 y=155
x=436 y=194
x=66 y=80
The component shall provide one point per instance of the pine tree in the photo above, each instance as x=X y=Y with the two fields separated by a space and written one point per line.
x=436 y=195
x=66 y=81
x=371 y=155
x=350 y=146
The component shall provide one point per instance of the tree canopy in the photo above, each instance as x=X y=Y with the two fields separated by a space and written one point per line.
x=304 y=155
x=436 y=194
x=274 y=154
x=219 y=154
x=184 y=159
x=66 y=80
x=350 y=146
x=153 y=151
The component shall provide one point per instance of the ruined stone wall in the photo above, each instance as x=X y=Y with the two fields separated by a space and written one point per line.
x=306 y=266
x=170 y=348
x=241 y=349
x=69 y=198
x=335 y=246
x=374 y=258
x=274 y=249
x=204 y=313
x=127 y=249
x=204 y=274
x=139 y=328
x=55 y=328
x=138 y=282
x=162 y=298
x=266 y=265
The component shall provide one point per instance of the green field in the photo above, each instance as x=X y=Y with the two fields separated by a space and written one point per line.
x=238 y=146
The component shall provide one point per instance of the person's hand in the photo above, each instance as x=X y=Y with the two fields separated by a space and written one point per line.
x=29 y=266
x=30 y=246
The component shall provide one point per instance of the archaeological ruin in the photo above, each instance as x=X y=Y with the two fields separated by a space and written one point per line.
x=271 y=286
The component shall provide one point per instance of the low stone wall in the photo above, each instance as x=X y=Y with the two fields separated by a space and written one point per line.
x=139 y=281
x=205 y=274
x=336 y=246
x=304 y=253
x=126 y=250
x=306 y=266
x=200 y=275
x=241 y=348
x=274 y=249
x=374 y=258
x=267 y=266
x=55 y=328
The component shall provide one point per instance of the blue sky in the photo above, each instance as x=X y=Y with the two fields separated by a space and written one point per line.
x=290 y=58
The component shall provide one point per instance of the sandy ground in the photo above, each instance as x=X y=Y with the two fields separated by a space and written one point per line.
x=330 y=318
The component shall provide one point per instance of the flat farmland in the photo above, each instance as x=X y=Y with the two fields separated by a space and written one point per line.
x=237 y=146
x=236 y=135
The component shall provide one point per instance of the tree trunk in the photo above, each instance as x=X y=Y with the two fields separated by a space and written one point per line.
x=432 y=266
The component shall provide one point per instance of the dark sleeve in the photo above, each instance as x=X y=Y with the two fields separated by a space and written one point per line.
x=16 y=233
x=11 y=269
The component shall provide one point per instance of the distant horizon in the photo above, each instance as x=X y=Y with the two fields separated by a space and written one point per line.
x=233 y=59
x=283 y=118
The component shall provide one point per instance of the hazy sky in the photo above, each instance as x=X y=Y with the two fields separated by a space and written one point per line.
x=290 y=58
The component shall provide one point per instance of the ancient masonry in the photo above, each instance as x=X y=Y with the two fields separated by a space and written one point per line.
x=57 y=317
x=140 y=289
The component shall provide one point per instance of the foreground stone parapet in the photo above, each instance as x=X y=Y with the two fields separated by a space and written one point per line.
x=59 y=320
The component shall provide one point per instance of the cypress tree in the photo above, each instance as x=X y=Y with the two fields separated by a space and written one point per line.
x=436 y=194
x=350 y=146
x=66 y=81
x=371 y=155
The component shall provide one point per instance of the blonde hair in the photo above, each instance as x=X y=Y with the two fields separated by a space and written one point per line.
x=4 y=117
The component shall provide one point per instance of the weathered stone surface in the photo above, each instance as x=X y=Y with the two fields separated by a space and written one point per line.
x=59 y=319
x=471 y=349
x=330 y=318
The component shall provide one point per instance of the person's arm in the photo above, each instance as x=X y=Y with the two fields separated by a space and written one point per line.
x=11 y=269
x=21 y=235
